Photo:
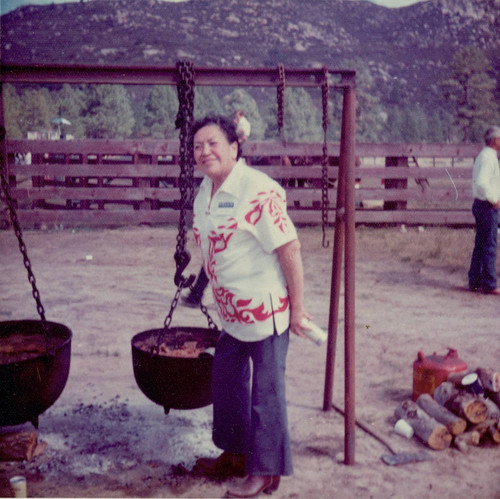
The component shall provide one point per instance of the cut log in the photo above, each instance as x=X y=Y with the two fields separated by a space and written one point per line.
x=444 y=392
x=494 y=432
x=494 y=396
x=493 y=409
x=464 y=440
x=488 y=428
x=468 y=406
x=426 y=428
x=456 y=378
x=18 y=446
x=490 y=379
x=453 y=423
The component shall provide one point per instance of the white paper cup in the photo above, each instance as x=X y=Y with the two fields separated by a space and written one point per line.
x=403 y=428
x=18 y=486
x=314 y=332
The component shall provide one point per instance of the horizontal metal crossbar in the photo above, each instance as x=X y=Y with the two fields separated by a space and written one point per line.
x=147 y=75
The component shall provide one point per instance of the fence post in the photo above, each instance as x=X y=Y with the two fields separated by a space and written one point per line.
x=396 y=183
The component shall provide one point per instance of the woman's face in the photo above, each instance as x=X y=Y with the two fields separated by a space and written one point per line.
x=213 y=153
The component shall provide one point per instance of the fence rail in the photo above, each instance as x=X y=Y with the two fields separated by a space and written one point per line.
x=114 y=183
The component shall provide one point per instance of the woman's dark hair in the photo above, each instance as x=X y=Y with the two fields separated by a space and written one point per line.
x=226 y=125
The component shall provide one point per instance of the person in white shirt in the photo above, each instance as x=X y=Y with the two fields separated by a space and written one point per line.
x=243 y=127
x=252 y=256
x=193 y=299
x=486 y=190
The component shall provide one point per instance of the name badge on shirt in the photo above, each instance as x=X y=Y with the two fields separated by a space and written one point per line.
x=226 y=204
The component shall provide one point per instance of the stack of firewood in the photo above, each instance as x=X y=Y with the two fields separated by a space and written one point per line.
x=454 y=415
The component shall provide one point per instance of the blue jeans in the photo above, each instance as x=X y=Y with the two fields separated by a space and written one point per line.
x=482 y=272
x=250 y=415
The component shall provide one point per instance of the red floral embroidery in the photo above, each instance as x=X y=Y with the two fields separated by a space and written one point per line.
x=239 y=311
x=217 y=242
x=274 y=203
x=197 y=237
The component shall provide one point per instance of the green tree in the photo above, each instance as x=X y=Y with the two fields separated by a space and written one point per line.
x=206 y=102
x=12 y=106
x=160 y=111
x=371 y=117
x=470 y=92
x=108 y=113
x=33 y=111
x=407 y=124
x=69 y=103
x=301 y=118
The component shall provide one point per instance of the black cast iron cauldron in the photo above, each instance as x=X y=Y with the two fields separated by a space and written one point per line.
x=173 y=382
x=29 y=387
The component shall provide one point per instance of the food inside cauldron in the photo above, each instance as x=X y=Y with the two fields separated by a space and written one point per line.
x=17 y=346
x=177 y=343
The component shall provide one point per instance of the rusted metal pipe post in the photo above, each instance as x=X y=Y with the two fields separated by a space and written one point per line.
x=3 y=140
x=348 y=144
x=337 y=259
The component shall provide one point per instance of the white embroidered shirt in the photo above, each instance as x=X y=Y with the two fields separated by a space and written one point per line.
x=238 y=232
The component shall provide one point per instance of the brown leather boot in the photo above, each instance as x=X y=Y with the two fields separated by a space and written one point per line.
x=253 y=485
x=227 y=464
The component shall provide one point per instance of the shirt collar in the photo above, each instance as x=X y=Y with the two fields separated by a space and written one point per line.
x=232 y=183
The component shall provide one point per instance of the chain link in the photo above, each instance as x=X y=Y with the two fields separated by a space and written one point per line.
x=22 y=247
x=184 y=119
x=324 y=159
x=280 y=95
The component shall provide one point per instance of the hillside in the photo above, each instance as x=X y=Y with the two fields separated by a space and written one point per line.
x=406 y=49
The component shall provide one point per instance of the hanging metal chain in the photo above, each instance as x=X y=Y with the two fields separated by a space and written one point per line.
x=184 y=119
x=324 y=159
x=280 y=95
x=19 y=234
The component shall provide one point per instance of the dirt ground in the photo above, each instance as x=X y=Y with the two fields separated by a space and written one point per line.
x=106 y=439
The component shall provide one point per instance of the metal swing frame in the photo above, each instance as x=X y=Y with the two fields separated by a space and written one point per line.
x=344 y=243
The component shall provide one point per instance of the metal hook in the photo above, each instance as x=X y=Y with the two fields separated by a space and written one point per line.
x=182 y=259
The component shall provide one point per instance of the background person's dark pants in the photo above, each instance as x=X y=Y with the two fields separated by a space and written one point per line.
x=482 y=272
x=199 y=287
x=250 y=416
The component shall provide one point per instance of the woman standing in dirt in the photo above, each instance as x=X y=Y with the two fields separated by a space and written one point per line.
x=252 y=256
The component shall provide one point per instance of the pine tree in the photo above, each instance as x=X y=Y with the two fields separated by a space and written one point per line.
x=34 y=111
x=160 y=112
x=12 y=105
x=108 y=113
x=69 y=103
x=470 y=92
x=301 y=118
x=206 y=102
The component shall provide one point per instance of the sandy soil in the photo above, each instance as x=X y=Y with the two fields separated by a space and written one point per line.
x=106 y=439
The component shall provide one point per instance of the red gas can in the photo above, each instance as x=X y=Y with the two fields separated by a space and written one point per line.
x=431 y=371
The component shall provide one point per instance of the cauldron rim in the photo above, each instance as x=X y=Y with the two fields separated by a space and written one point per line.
x=33 y=322
x=173 y=382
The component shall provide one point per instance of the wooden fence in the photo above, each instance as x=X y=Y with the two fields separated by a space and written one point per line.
x=81 y=183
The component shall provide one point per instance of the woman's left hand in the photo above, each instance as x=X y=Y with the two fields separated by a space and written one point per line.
x=296 y=318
